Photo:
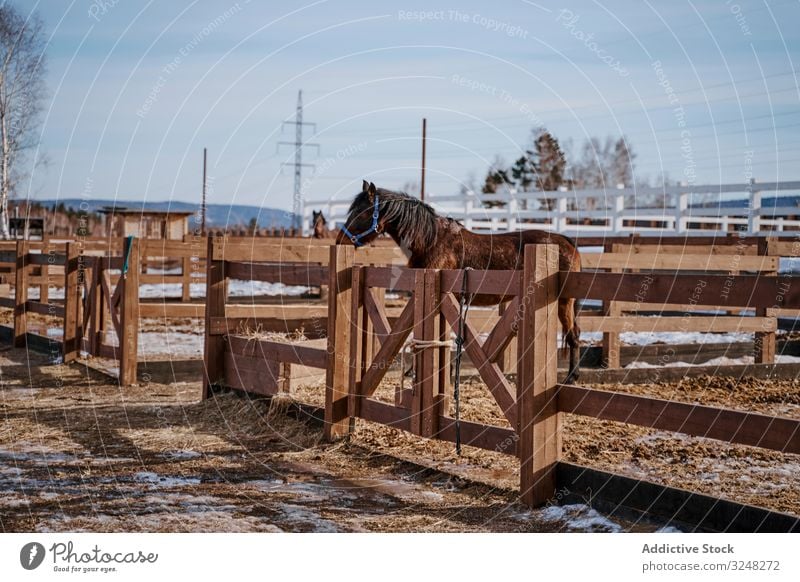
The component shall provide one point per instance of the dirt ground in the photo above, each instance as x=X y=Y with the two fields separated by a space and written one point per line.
x=750 y=475
x=77 y=453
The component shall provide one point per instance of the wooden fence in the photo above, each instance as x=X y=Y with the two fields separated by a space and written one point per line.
x=23 y=261
x=670 y=210
x=363 y=342
x=698 y=313
x=233 y=362
x=96 y=295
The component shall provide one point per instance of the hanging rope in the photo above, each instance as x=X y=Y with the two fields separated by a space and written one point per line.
x=463 y=309
x=414 y=345
x=129 y=244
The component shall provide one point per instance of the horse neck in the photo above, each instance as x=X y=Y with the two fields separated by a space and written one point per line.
x=421 y=254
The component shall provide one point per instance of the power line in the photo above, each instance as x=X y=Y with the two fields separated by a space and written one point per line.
x=568 y=114
x=298 y=144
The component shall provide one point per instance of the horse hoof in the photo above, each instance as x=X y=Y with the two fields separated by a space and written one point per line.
x=572 y=378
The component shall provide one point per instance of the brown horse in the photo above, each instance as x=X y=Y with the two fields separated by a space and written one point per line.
x=320 y=226
x=435 y=242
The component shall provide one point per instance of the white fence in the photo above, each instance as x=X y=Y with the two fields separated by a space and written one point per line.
x=667 y=210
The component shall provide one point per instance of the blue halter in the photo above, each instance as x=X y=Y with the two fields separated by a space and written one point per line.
x=356 y=238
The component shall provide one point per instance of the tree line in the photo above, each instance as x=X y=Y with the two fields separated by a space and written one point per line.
x=544 y=166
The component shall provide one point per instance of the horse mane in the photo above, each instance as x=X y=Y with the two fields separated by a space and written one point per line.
x=413 y=221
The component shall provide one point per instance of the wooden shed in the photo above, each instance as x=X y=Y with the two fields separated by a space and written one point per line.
x=143 y=223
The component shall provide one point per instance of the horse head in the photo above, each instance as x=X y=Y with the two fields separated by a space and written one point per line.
x=364 y=223
x=318 y=223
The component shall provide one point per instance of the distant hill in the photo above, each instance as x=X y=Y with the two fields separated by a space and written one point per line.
x=218 y=215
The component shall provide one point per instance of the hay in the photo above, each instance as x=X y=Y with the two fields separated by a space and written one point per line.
x=257 y=418
x=258 y=334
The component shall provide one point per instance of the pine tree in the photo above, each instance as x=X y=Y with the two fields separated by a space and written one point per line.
x=622 y=164
x=549 y=165
x=548 y=162
x=524 y=172
x=497 y=176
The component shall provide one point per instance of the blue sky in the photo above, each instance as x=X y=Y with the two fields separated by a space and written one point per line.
x=137 y=89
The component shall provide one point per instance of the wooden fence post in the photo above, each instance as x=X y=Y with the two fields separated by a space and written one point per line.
x=429 y=417
x=186 y=281
x=129 y=314
x=611 y=345
x=337 y=378
x=359 y=341
x=44 y=278
x=539 y=421
x=445 y=386
x=764 y=342
x=216 y=296
x=96 y=304
x=21 y=295
x=71 y=339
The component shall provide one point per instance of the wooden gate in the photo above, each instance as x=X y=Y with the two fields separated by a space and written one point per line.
x=362 y=346
x=105 y=303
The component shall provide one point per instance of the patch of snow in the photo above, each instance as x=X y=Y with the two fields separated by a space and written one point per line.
x=25 y=451
x=789 y=265
x=720 y=361
x=679 y=337
x=306 y=492
x=181 y=455
x=15 y=500
x=576 y=518
x=296 y=516
x=239 y=288
x=668 y=529
x=170 y=342
x=236 y=288
x=156 y=480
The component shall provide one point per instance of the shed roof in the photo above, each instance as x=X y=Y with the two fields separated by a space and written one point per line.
x=144 y=212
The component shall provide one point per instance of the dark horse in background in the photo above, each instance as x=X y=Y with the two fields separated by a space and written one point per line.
x=320 y=226
x=435 y=242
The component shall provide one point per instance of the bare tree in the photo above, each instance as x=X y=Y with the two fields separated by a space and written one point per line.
x=593 y=168
x=412 y=188
x=469 y=185
x=22 y=90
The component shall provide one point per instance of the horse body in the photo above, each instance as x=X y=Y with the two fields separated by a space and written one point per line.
x=435 y=242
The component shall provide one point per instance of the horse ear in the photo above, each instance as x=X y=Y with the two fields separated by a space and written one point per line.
x=372 y=189
x=364 y=185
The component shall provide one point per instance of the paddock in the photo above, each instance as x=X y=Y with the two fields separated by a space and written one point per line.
x=713 y=449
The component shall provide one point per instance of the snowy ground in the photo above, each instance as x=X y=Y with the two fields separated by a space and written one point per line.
x=236 y=288
x=157 y=458
x=721 y=361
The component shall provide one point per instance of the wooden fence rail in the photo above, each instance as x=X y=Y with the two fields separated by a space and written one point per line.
x=91 y=299
x=363 y=342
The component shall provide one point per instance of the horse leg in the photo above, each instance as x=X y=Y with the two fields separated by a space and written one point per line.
x=574 y=356
x=571 y=337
